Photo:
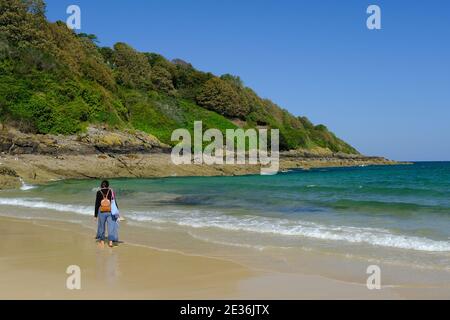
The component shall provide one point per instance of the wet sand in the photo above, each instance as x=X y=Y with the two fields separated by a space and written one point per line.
x=34 y=257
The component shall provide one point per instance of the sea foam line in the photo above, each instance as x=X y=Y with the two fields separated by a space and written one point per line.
x=257 y=224
x=39 y=204
x=294 y=228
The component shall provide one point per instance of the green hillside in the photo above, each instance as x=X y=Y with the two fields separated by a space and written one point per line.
x=53 y=80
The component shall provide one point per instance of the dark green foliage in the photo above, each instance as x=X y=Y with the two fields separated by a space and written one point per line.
x=91 y=37
x=21 y=22
x=162 y=80
x=53 y=80
x=189 y=81
x=217 y=95
x=131 y=67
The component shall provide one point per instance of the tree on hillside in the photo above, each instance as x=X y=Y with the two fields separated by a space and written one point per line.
x=162 y=80
x=188 y=81
x=132 y=68
x=108 y=55
x=234 y=80
x=156 y=59
x=21 y=22
x=307 y=124
x=90 y=37
x=248 y=99
x=219 y=96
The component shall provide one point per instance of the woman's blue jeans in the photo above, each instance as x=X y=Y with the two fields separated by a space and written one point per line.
x=114 y=231
x=105 y=218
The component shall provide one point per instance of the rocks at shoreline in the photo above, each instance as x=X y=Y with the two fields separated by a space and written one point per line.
x=102 y=153
x=37 y=169
x=9 y=179
x=306 y=159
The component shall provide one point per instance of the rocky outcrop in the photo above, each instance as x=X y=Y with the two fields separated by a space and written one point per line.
x=100 y=153
x=9 y=179
x=37 y=169
x=94 y=141
x=327 y=155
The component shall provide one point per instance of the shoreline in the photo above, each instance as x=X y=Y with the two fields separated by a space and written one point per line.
x=36 y=253
x=103 y=153
x=15 y=170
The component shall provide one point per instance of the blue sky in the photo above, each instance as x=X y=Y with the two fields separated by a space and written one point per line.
x=386 y=92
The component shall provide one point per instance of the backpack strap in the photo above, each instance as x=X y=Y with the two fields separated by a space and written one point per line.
x=106 y=197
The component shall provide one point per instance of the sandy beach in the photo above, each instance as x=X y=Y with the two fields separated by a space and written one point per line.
x=34 y=256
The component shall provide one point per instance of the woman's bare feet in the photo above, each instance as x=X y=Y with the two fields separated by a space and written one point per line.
x=110 y=244
x=101 y=243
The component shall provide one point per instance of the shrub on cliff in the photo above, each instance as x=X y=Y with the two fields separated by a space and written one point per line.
x=219 y=96
x=162 y=80
x=131 y=67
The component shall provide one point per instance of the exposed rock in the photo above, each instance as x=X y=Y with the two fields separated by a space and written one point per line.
x=8 y=182
x=101 y=153
x=9 y=179
x=96 y=140
x=327 y=155
x=36 y=169
x=5 y=171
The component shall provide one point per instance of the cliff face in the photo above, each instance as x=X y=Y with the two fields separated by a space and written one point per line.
x=96 y=140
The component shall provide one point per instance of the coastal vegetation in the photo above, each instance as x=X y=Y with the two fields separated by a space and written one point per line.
x=56 y=81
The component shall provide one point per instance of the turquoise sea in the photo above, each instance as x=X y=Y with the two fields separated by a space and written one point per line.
x=395 y=213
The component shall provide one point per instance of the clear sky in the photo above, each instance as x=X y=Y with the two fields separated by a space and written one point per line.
x=386 y=92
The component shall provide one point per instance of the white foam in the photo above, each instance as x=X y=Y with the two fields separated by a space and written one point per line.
x=39 y=204
x=25 y=186
x=294 y=228
x=258 y=225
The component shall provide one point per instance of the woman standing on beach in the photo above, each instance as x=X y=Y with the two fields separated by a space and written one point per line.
x=104 y=207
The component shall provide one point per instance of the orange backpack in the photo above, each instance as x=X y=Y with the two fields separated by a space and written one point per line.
x=105 y=205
